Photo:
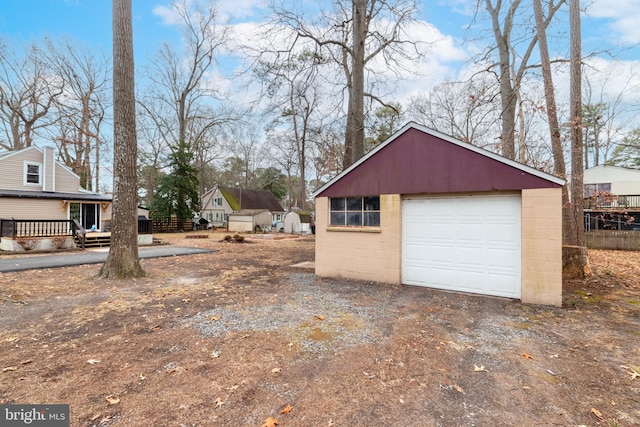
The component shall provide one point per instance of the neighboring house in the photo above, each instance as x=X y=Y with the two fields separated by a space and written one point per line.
x=34 y=185
x=612 y=198
x=219 y=202
x=423 y=208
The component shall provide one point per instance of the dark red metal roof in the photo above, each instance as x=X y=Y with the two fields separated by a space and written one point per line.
x=417 y=162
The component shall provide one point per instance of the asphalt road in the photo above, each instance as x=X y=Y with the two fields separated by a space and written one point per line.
x=89 y=257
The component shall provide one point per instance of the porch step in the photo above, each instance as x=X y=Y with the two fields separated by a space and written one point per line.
x=95 y=240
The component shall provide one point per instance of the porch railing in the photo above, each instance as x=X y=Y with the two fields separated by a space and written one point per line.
x=78 y=231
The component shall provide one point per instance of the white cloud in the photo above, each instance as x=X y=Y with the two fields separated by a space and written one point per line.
x=622 y=15
x=227 y=10
x=239 y=9
x=167 y=14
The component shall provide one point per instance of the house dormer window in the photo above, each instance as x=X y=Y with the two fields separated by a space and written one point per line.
x=217 y=201
x=32 y=173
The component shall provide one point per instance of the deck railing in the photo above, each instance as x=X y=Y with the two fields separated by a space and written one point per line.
x=18 y=228
x=15 y=228
x=610 y=201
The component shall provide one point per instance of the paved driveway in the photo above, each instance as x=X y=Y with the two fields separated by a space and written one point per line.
x=89 y=257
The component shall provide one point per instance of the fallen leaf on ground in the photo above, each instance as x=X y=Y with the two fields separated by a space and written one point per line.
x=368 y=375
x=270 y=422
x=458 y=346
x=112 y=400
x=527 y=356
x=319 y=317
x=597 y=413
x=287 y=409
x=633 y=371
x=458 y=388
x=276 y=370
x=479 y=368
x=93 y=361
x=9 y=368
x=219 y=403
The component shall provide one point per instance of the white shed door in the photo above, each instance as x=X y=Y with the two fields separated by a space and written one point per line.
x=468 y=244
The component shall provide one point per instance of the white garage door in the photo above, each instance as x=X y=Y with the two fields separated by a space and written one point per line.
x=468 y=244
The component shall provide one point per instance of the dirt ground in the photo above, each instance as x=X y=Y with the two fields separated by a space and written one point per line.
x=239 y=337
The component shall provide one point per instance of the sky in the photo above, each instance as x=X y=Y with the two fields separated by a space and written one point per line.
x=607 y=26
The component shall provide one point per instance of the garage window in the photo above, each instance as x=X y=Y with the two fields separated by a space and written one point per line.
x=355 y=211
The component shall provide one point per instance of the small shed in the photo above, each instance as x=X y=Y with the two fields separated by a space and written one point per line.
x=425 y=209
x=292 y=223
x=250 y=220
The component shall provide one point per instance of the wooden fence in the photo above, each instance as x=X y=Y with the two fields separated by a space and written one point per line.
x=613 y=239
x=171 y=225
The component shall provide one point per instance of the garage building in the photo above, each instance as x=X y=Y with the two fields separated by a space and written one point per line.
x=425 y=209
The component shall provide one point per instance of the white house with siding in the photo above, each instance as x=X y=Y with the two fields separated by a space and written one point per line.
x=34 y=185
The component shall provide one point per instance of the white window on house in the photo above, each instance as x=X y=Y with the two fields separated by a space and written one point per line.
x=355 y=211
x=32 y=173
x=591 y=190
x=217 y=201
x=209 y=216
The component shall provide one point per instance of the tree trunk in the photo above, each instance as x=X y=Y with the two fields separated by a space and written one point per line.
x=355 y=119
x=123 y=255
x=508 y=93
x=559 y=168
x=579 y=263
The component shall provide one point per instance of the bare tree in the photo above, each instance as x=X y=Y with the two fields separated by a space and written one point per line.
x=606 y=117
x=123 y=260
x=464 y=110
x=295 y=98
x=27 y=93
x=283 y=152
x=327 y=153
x=81 y=109
x=245 y=145
x=353 y=34
x=179 y=100
x=511 y=74
x=552 y=118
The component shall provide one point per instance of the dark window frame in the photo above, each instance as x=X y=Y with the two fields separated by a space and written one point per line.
x=31 y=177
x=354 y=212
